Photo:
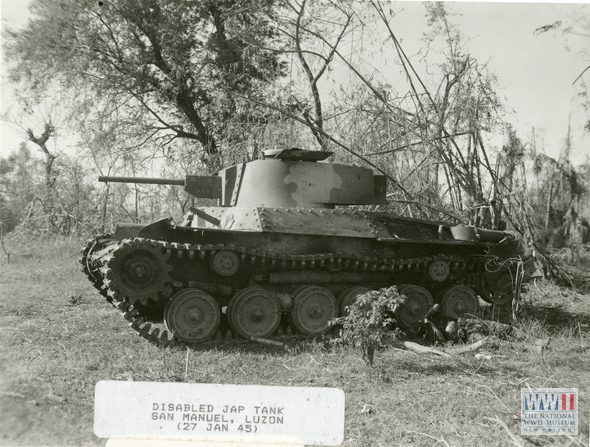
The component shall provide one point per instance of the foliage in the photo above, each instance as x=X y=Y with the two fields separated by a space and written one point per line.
x=140 y=79
x=23 y=200
x=19 y=176
x=463 y=106
x=370 y=321
x=557 y=195
x=178 y=62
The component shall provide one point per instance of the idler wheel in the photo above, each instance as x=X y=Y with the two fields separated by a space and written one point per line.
x=438 y=270
x=418 y=302
x=313 y=309
x=225 y=262
x=348 y=296
x=458 y=301
x=192 y=315
x=254 y=312
x=496 y=287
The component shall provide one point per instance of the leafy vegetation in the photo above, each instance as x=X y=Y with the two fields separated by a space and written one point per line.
x=175 y=62
x=369 y=322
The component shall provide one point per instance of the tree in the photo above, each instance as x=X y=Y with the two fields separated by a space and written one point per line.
x=416 y=131
x=49 y=200
x=19 y=175
x=179 y=62
x=436 y=126
x=559 y=198
x=315 y=39
x=464 y=104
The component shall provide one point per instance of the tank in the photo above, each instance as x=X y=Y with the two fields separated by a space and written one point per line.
x=289 y=247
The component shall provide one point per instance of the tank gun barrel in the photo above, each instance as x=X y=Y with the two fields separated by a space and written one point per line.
x=196 y=185
x=147 y=180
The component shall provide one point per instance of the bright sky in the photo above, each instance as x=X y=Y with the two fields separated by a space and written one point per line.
x=535 y=72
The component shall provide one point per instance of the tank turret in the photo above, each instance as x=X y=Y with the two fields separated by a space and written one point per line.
x=288 y=178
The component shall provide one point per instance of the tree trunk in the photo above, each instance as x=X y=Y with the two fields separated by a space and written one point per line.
x=548 y=211
x=105 y=208
x=50 y=199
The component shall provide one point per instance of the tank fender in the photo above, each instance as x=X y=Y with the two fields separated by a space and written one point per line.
x=126 y=231
x=157 y=230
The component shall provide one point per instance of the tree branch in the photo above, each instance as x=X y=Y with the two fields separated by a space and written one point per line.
x=419 y=142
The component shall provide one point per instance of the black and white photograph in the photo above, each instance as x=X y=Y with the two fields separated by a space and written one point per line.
x=294 y=223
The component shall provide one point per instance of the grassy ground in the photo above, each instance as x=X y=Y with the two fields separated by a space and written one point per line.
x=58 y=338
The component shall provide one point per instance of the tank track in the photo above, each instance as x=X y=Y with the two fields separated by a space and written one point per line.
x=93 y=245
x=98 y=252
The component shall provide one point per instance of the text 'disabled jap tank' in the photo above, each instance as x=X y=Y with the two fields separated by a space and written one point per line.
x=285 y=242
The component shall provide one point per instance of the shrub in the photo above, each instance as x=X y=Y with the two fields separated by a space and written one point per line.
x=370 y=321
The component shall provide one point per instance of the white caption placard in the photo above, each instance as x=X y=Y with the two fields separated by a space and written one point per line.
x=221 y=413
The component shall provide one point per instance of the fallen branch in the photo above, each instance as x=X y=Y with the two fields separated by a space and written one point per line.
x=266 y=341
x=424 y=350
x=463 y=349
x=8 y=393
x=447 y=353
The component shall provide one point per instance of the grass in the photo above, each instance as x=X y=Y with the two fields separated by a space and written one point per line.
x=59 y=338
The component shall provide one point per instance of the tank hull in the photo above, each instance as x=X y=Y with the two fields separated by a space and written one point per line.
x=304 y=264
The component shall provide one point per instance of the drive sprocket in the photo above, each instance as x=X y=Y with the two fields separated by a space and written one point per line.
x=497 y=284
x=138 y=271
